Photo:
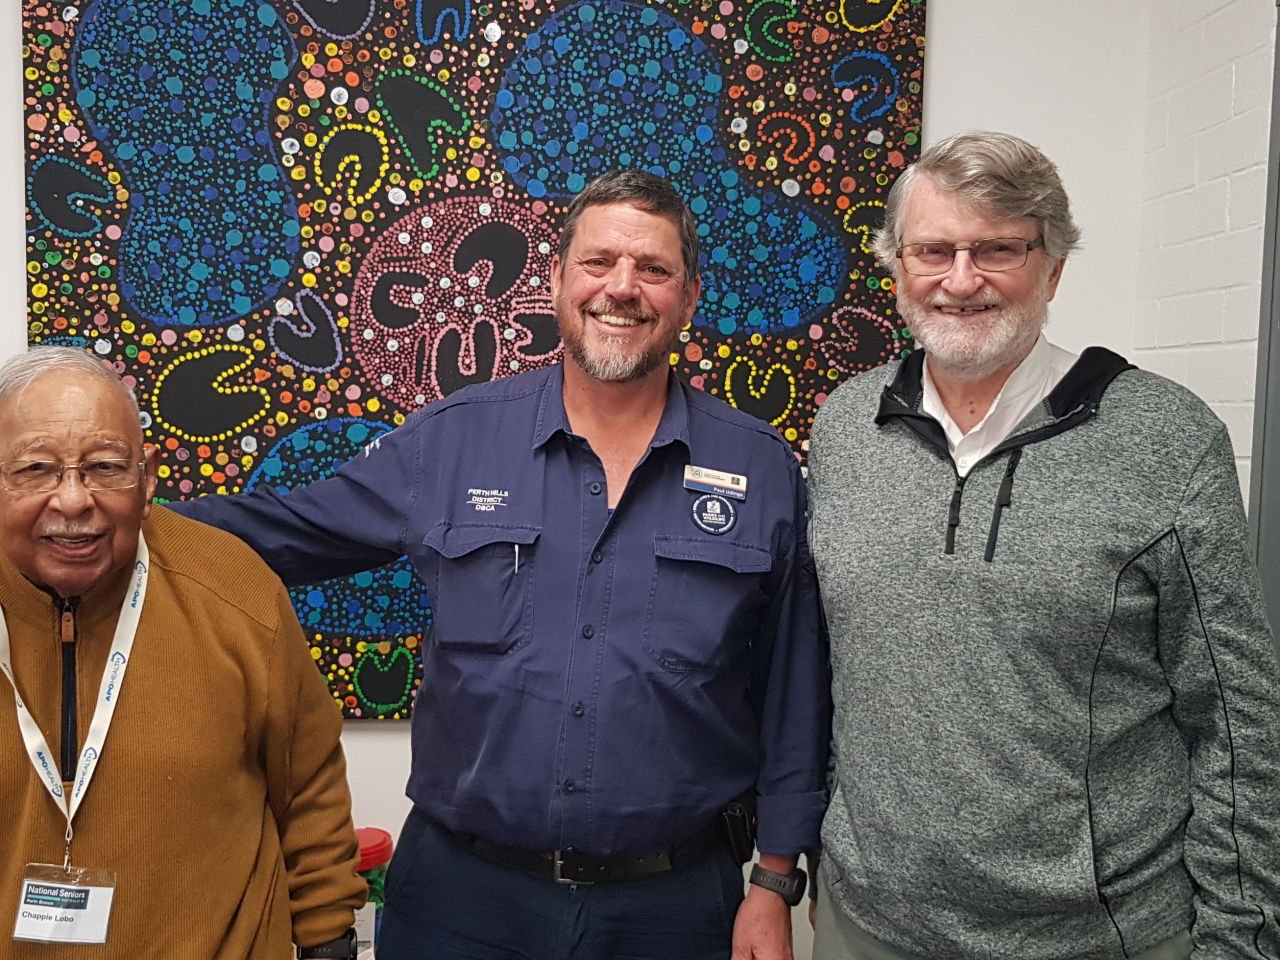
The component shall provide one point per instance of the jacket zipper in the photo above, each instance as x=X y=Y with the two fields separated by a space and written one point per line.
x=1013 y=445
x=1003 y=499
x=953 y=515
x=67 y=636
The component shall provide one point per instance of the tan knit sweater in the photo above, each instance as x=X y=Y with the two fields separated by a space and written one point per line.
x=221 y=799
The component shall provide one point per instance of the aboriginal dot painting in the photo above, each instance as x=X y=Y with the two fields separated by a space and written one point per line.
x=290 y=223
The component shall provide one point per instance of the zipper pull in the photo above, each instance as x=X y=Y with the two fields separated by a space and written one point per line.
x=68 y=624
x=1004 y=500
x=1004 y=496
x=517 y=559
x=953 y=516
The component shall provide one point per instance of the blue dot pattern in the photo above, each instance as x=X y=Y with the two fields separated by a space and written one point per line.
x=181 y=97
x=608 y=84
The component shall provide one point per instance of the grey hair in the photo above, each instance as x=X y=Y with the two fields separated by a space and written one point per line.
x=649 y=192
x=22 y=370
x=997 y=173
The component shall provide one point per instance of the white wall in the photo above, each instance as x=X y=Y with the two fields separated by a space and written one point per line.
x=1118 y=94
x=1207 y=111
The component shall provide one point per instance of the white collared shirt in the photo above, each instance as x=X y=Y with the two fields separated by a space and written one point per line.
x=1031 y=381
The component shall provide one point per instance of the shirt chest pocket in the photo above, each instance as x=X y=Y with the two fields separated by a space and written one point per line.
x=706 y=600
x=482 y=586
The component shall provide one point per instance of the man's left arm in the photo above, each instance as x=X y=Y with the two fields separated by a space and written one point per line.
x=1218 y=655
x=791 y=693
x=308 y=792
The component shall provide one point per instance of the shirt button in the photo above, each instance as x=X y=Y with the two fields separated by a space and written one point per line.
x=569 y=786
x=596 y=556
x=579 y=709
x=588 y=631
x=596 y=487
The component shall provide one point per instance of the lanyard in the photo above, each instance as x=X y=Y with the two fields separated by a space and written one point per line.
x=108 y=695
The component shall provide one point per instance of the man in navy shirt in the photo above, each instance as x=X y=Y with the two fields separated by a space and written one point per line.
x=626 y=635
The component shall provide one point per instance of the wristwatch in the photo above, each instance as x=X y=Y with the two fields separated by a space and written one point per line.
x=789 y=886
x=344 y=948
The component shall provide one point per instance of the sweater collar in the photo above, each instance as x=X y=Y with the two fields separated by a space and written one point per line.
x=23 y=600
x=1083 y=385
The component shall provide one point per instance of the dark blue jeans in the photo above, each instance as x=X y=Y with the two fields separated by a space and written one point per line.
x=445 y=903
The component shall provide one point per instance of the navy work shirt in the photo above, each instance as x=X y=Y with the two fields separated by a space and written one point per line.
x=596 y=679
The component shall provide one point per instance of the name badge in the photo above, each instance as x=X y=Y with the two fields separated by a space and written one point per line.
x=64 y=905
x=718 y=482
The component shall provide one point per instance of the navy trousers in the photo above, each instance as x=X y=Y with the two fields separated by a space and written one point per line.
x=445 y=903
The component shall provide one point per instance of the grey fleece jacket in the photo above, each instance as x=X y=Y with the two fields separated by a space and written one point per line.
x=1057 y=702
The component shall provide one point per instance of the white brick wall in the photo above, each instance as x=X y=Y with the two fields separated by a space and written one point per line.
x=1202 y=210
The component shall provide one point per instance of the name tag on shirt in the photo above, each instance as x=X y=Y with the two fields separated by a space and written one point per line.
x=706 y=480
x=59 y=905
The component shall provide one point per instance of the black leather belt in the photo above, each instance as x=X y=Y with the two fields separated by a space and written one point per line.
x=570 y=866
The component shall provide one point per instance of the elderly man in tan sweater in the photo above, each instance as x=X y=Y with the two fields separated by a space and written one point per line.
x=170 y=771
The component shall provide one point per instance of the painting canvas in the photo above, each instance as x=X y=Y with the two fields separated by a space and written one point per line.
x=291 y=223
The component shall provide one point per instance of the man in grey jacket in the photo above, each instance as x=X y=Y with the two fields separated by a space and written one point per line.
x=1057 y=727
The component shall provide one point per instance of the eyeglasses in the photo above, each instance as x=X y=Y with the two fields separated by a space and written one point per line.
x=45 y=476
x=932 y=258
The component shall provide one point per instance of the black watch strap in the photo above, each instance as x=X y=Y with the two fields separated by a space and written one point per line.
x=343 y=948
x=789 y=886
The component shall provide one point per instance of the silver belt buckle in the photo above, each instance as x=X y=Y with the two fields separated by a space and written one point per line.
x=558 y=875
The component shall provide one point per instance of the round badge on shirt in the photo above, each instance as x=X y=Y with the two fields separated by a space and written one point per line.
x=714 y=514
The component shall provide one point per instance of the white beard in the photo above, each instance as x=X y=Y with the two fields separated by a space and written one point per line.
x=607 y=358
x=973 y=347
x=610 y=362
